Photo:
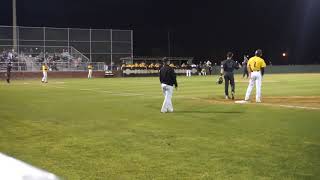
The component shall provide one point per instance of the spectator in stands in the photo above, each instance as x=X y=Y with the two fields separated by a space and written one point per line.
x=65 y=55
x=10 y=55
x=54 y=66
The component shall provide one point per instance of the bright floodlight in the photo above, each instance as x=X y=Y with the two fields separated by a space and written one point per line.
x=284 y=54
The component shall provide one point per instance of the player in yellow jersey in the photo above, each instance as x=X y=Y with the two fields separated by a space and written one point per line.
x=90 y=71
x=256 y=66
x=44 y=68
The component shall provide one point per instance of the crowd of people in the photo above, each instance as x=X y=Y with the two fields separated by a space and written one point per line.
x=37 y=58
x=203 y=68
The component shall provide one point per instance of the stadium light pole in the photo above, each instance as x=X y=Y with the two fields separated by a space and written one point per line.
x=14 y=24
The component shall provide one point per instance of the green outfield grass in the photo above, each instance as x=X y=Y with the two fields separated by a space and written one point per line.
x=113 y=128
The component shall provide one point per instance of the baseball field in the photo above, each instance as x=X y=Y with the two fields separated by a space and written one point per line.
x=113 y=128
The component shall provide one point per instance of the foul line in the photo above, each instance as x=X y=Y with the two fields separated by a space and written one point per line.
x=291 y=106
x=265 y=104
x=112 y=93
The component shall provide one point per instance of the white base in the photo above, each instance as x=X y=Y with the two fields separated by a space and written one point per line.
x=241 y=102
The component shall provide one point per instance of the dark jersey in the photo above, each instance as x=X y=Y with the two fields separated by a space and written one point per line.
x=9 y=67
x=229 y=65
x=168 y=76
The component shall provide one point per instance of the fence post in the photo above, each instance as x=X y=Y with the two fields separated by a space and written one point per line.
x=44 y=45
x=14 y=23
x=18 y=44
x=69 y=40
x=90 y=46
x=131 y=44
x=111 y=48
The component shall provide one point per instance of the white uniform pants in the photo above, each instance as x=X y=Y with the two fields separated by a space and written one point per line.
x=167 y=93
x=255 y=78
x=90 y=73
x=45 y=76
x=188 y=73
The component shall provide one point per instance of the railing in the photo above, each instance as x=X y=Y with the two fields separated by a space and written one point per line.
x=54 y=66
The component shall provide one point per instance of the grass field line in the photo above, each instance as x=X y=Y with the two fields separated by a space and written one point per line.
x=59 y=87
x=298 y=97
x=113 y=93
x=265 y=81
x=265 y=104
x=291 y=106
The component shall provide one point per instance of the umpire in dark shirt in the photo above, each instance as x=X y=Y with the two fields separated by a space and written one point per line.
x=168 y=80
x=227 y=68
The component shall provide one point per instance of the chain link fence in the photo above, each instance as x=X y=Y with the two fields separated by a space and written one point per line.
x=35 y=45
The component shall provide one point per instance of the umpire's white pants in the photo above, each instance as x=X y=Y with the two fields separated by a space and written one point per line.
x=45 y=77
x=257 y=79
x=167 y=93
x=188 y=73
x=90 y=73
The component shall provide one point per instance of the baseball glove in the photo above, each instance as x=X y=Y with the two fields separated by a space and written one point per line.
x=220 y=80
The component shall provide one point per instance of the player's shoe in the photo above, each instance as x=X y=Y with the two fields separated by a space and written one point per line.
x=258 y=101
x=227 y=97
x=232 y=95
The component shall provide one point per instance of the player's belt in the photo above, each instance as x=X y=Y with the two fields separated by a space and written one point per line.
x=256 y=71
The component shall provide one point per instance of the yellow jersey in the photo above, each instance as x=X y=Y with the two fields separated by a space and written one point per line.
x=90 y=67
x=44 y=68
x=256 y=63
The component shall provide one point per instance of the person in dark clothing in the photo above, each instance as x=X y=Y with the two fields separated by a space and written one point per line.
x=244 y=65
x=227 y=68
x=167 y=80
x=9 y=67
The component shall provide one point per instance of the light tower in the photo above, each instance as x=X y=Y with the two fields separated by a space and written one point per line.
x=14 y=24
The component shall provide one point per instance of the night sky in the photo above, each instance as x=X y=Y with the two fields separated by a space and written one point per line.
x=197 y=28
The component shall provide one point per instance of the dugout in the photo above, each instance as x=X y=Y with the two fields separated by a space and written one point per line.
x=149 y=66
